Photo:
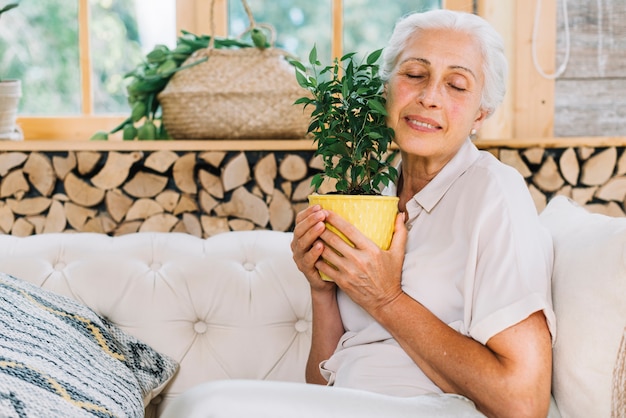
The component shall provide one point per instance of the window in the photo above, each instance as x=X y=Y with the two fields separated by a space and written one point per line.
x=362 y=25
x=72 y=55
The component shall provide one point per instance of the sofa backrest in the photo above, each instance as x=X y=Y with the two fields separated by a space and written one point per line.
x=235 y=305
x=230 y=306
x=589 y=295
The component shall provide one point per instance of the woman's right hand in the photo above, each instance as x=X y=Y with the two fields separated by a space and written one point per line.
x=327 y=328
x=307 y=247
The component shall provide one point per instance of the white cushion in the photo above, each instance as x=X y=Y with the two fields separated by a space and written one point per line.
x=589 y=293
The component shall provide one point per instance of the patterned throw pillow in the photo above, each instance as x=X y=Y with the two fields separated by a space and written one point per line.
x=58 y=358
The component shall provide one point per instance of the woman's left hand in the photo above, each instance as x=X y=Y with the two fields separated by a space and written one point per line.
x=370 y=276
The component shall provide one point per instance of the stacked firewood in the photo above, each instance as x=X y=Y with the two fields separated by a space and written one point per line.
x=206 y=193
x=117 y=193
x=593 y=177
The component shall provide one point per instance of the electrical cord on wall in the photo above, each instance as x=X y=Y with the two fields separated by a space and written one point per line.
x=559 y=71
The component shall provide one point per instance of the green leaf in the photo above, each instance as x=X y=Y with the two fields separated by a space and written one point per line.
x=8 y=7
x=158 y=54
x=298 y=65
x=129 y=132
x=230 y=43
x=317 y=181
x=138 y=111
x=373 y=57
x=377 y=106
x=183 y=49
x=259 y=39
x=342 y=185
x=162 y=133
x=120 y=126
x=313 y=56
x=100 y=136
x=302 y=80
x=348 y=56
x=167 y=66
x=147 y=130
x=303 y=100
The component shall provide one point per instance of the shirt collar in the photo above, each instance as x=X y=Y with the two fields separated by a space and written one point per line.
x=430 y=195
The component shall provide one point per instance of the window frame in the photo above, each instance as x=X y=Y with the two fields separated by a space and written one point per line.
x=190 y=15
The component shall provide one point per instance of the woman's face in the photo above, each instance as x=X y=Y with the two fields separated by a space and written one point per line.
x=434 y=94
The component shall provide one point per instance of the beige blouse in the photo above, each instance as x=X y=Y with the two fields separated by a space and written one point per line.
x=476 y=256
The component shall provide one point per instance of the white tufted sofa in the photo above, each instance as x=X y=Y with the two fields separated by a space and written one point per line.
x=231 y=306
x=235 y=306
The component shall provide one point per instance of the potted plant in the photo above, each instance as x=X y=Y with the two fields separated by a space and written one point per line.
x=348 y=125
x=10 y=94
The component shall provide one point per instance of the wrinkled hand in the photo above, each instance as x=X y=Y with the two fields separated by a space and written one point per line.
x=370 y=276
x=307 y=247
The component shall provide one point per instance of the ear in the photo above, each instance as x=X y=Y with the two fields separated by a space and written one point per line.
x=480 y=118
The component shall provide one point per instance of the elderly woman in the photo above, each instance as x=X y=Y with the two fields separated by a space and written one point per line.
x=460 y=303
x=455 y=319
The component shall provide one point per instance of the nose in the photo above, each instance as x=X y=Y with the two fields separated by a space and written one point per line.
x=430 y=96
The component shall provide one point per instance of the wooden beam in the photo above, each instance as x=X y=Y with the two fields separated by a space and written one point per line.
x=74 y=128
x=337 y=28
x=460 y=5
x=195 y=16
x=240 y=145
x=184 y=16
x=502 y=16
x=533 y=115
x=85 y=57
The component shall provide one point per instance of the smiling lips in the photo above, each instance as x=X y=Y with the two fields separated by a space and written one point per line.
x=422 y=124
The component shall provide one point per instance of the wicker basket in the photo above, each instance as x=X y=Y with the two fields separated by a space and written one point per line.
x=236 y=93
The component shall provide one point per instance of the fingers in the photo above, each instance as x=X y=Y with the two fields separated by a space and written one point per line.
x=306 y=246
x=353 y=234
x=400 y=233
x=309 y=226
x=342 y=254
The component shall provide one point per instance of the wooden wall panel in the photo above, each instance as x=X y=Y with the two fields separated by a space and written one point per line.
x=591 y=94
x=195 y=16
x=533 y=113
x=502 y=16
x=528 y=110
x=462 y=5
x=590 y=106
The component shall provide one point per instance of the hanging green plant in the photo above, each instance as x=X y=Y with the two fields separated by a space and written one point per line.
x=149 y=78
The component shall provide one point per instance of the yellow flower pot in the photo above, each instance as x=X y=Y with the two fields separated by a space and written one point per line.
x=374 y=216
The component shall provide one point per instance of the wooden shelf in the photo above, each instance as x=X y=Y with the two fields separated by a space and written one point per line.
x=278 y=144
x=173 y=145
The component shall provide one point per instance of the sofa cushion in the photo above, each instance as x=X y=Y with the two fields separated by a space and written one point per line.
x=589 y=293
x=60 y=358
x=168 y=289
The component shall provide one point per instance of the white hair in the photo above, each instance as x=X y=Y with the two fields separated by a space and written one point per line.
x=495 y=65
